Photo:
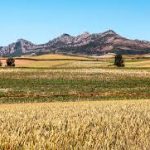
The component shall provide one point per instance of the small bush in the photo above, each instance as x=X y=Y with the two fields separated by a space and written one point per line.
x=10 y=62
x=119 y=62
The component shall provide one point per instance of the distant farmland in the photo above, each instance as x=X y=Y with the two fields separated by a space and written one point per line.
x=71 y=78
x=64 y=61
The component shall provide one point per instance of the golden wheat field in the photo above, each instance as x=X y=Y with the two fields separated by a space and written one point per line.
x=117 y=125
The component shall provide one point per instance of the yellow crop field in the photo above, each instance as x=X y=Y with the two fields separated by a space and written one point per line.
x=142 y=64
x=76 y=125
x=39 y=64
x=59 y=57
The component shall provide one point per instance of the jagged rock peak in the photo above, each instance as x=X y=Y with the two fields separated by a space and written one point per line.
x=110 y=32
x=65 y=38
x=85 y=34
x=21 y=40
x=65 y=35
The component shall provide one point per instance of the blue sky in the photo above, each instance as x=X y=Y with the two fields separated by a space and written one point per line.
x=42 y=20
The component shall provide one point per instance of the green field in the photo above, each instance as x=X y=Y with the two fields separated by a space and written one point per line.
x=69 y=78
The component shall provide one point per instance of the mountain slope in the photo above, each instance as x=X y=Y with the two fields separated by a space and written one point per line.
x=86 y=43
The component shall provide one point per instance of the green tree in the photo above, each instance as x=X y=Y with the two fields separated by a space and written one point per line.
x=1 y=63
x=10 y=62
x=119 y=61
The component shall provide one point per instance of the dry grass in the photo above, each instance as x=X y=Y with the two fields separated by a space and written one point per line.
x=142 y=64
x=58 y=56
x=83 y=125
x=39 y=64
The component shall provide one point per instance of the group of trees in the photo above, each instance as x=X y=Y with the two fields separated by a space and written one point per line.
x=10 y=62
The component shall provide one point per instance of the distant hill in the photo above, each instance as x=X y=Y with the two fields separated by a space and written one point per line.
x=84 y=44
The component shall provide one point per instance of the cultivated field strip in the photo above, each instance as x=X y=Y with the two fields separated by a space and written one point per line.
x=47 y=85
x=82 y=125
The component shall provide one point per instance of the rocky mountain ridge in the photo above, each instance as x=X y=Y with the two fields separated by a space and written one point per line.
x=86 y=43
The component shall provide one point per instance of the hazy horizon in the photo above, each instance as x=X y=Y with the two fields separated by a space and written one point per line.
x=40 y=21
